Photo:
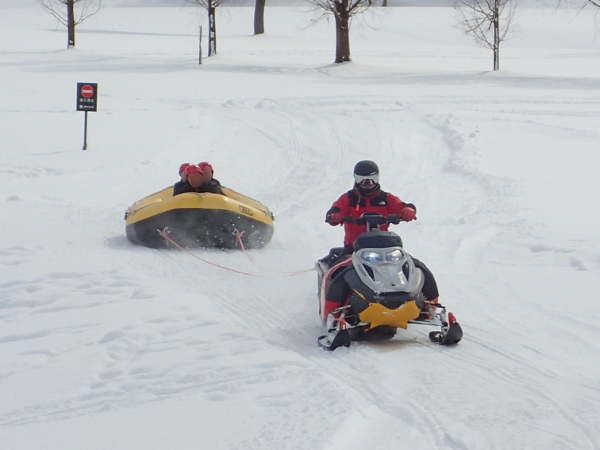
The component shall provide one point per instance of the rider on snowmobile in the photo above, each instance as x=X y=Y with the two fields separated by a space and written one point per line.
x=367 y=197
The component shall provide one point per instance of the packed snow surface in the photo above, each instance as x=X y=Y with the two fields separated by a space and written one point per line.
x=107 y=345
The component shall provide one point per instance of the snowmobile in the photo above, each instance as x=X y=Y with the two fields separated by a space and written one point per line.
x=380 y=287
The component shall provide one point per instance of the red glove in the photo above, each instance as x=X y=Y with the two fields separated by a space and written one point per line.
x=334 y=218
x=408 y=214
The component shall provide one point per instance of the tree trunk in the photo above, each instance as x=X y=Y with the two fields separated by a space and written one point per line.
x=259 y=17
x=212 y=30
x=496 y=37
x=70 y=23
x=342 y=32
x=384 y=3
x=496 y=58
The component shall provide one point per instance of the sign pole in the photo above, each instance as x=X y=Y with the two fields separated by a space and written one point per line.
x=200 y=46
x=87 y=100
x=85 y=132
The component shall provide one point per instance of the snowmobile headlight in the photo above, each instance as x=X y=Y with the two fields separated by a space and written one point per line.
x=394 y=256
x=372 y=257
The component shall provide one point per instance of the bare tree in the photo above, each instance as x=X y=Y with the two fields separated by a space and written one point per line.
x=71 y=13
x=342 y=10
x=259 y=17
x=211 y=6
x=594 y=2
x=488 y=21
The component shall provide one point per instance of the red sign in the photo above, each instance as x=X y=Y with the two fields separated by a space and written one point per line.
x=87 y=96
x=87 y=91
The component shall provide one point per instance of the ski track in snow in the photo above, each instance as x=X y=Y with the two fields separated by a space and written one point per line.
x=120 y=382
x=129 y=366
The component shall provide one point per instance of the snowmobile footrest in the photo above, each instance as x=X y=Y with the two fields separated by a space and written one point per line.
x=331 y=342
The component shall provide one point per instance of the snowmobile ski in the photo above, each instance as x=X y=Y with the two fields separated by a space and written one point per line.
x=334 y=339
x=451 y=332
x=337 y=331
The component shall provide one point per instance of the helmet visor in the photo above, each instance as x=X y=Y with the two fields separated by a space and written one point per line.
x=366 y=180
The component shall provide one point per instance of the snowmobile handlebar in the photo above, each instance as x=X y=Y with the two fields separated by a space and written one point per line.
x=373 y=221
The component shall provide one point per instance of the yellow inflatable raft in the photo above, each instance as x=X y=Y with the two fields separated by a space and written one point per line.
x=200 y=220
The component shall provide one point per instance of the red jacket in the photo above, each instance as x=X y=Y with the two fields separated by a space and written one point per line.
x=353 y=204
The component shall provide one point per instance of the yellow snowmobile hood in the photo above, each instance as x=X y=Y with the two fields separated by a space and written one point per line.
x=376 y=315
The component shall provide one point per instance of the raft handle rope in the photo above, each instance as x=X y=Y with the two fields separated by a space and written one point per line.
x=238 y=238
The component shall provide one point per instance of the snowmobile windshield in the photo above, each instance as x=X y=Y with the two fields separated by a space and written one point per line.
x=386 y=270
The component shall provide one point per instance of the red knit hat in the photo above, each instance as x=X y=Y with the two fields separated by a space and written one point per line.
x=204 y=165
x=183 y=167
x=191 y=169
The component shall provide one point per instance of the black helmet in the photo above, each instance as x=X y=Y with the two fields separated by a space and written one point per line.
x=365 y=168
x=366 y=175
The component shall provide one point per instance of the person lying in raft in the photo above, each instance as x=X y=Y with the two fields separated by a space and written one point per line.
x=198 y=178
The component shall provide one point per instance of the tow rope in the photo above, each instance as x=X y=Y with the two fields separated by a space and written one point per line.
x=238 y=238
x=164 y=234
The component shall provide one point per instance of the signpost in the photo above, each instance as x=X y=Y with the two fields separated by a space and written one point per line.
x=200 y=46
x=87 y=100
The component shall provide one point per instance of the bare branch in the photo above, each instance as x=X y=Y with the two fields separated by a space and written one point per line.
x=86 y=9
x=51 y=7
x=208 y=3
x=337 y=7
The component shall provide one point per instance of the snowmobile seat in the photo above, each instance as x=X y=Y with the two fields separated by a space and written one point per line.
x=377 y=239
x=335 y=255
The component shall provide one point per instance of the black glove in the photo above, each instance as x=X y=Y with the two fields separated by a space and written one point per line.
x=334 y=218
